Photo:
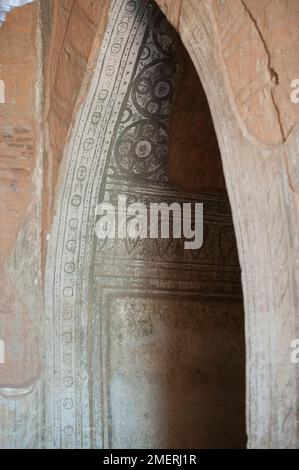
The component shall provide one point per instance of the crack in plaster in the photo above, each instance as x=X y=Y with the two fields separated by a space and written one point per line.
x=273 y=74
x=179 y=15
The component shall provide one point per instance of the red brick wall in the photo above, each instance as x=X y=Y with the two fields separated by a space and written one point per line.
x=19 y=69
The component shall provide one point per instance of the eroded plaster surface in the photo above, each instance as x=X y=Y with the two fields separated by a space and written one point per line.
x=20 y=197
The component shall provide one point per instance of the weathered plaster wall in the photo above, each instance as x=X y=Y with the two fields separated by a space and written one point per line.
x=259 y=185
x=258 y=43
x=77 y=28
x=20 y=141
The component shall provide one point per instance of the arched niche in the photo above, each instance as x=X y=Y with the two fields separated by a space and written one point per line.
x=260 y=188
x=106 y=298
x=261 y=179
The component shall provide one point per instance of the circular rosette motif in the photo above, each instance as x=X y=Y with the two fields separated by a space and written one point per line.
x=152 y=92
x=141 y=148
x=164 y=35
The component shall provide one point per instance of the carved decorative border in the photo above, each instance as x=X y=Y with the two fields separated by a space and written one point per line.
x=70 y=246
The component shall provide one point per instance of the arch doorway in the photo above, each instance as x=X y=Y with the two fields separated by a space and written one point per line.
x=150 y=335
x=135 y=78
